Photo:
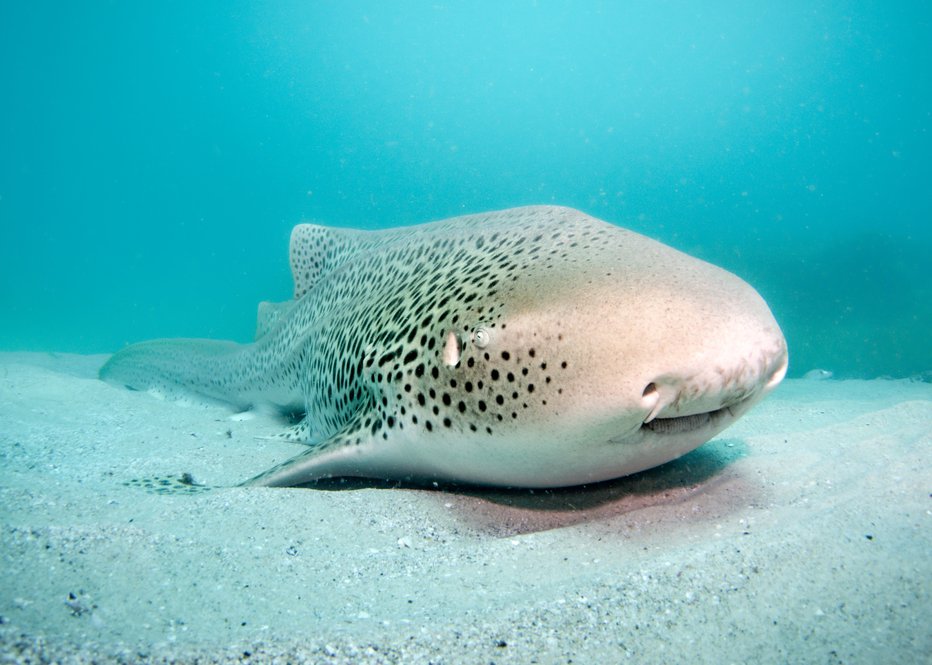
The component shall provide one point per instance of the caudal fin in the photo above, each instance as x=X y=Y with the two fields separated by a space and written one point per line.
x=182 y=368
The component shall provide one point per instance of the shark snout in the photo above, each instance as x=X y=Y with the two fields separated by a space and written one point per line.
x=713 y=390
x=780 y=365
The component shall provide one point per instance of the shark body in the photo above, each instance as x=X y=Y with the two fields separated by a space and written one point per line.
x=531 y=347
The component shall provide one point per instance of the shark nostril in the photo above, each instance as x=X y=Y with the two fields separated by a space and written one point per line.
x=650 y=400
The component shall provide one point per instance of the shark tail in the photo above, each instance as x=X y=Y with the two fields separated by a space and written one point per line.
x=182 y=368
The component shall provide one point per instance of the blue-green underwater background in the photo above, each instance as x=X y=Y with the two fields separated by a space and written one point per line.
x=155 y=155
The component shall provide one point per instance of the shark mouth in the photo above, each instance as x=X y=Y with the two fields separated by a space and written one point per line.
x=698 y=421
x=683 y=424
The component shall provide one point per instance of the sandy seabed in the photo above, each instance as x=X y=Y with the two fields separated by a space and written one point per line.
x=803 y=534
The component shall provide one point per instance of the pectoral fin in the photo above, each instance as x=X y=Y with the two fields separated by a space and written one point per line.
x=348 y=452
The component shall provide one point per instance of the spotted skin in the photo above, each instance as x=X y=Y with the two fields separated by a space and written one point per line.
x=488 y=348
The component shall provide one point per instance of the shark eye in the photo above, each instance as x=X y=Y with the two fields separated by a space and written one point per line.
x=481 y=337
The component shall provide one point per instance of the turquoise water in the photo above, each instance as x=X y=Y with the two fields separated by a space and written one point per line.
x=156 y=155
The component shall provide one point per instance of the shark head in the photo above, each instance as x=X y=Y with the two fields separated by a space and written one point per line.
x=612 y=359
x=634 y=358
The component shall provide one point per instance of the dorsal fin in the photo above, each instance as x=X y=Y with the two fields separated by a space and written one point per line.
x=316 y=251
